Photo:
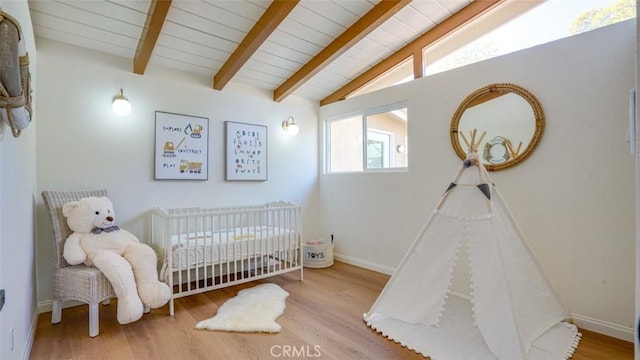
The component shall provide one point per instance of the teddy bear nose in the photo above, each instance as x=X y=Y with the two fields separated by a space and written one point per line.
x=109 y=218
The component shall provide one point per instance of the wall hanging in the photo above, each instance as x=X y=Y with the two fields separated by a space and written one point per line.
x=15 y=79
x=246 y=151
x=181 y=147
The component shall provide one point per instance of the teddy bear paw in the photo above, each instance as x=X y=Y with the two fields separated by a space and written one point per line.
x=129 y=309
x=154 y=294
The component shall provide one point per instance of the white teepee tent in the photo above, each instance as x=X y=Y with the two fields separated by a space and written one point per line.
x=511 y=312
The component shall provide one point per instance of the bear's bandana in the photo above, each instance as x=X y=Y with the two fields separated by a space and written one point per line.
x=100 y=230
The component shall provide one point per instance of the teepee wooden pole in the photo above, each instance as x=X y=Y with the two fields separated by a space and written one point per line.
x=518 y=149
x=464 y=138
x=473 y=139
x=513 y=154
x=479 y=141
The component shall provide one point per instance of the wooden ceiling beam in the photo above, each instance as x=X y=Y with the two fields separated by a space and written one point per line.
x=380 y=13
x=268 y=22
x=152 y=27
x=452 y=23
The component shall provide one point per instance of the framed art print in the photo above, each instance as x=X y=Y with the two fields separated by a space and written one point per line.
x=246 y=151
x=181 y=147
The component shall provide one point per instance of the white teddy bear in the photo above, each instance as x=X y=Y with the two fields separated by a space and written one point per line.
x=130 y=266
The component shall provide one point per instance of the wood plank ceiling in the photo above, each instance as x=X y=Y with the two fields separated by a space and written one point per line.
x=322 y=50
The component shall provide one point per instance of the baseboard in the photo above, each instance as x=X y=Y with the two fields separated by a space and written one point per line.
x=585 y=322
x=365 y=264
x=604 y=327
x=47 y=305
x=31 y=334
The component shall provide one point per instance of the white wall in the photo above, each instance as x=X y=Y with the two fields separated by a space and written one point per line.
x=17 y=209
x=637 y=121
x=83 y=145
x=573 y=197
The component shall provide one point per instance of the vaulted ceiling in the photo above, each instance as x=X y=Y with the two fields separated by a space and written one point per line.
x=318 y=49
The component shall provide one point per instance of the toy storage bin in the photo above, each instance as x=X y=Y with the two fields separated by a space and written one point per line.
x=318 y=253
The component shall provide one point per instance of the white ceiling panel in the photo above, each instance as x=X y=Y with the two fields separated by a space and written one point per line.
x=183 y=33
x=187 y=58
x=85 y=42
x=358 y=8
x=204 y=25
x=191 y=48
x=411 y=17
x=157 y=60
x=73 y=15
x=285 y=52
x=294 y=43
x=332 y=11
x=400 y=29
x=306 y=32
x=454 y=5
x=321 y=24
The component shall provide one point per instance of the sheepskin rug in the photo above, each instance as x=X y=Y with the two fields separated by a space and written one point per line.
x=252 y=310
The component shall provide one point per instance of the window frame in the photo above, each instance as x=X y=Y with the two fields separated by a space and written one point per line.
x=363 y=114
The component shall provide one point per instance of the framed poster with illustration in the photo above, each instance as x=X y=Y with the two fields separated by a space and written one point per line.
x=246 y=151
x=181 y=147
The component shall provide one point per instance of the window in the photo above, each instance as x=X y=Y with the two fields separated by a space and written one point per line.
x=370 y=141
x=549 y=21
x=510 y=27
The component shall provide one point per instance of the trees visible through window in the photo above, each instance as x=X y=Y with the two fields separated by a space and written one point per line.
x=368 y=142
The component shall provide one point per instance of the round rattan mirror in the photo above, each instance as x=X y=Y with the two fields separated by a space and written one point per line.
x=512 y=119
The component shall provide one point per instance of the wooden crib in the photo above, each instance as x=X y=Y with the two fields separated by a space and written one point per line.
x=202 y=249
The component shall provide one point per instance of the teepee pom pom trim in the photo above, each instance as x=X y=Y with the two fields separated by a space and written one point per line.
x=391 y=338
x=450 y=282
x=574 y=344
x=472 y=285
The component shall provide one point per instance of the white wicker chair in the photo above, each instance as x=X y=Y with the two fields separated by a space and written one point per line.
x=78 y=282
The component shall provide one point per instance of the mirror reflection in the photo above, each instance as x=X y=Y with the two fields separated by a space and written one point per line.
x=511 y=117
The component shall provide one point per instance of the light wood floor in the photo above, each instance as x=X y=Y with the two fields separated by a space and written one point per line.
x=323 y=320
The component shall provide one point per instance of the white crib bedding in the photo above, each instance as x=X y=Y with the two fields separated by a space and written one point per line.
x=221 y=246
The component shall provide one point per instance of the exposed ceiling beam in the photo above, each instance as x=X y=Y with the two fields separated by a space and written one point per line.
x=380 y=13
x=452 y=23
x=155 y=19
x=268 y=22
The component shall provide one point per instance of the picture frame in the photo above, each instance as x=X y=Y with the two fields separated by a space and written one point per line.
x=246 y=151
x=181 y=147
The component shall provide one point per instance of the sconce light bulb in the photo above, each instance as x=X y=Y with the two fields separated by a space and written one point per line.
x=290 y=127
x=293 y=129
x=121 y=105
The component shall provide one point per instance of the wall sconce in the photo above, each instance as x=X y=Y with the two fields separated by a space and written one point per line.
x=289 y=126
x=121 y=105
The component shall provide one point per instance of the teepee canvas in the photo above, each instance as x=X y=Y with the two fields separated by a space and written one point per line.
x=511 y=311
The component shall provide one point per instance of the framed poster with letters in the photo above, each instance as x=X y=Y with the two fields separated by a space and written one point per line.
x=181 y=147
x=246 y=151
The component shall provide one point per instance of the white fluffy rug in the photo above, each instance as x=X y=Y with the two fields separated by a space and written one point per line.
x=252 y=310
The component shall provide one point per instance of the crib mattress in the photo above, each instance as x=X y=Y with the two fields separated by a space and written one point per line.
x=240 y=243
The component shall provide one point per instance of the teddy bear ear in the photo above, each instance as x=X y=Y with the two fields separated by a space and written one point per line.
x=68 y=207
x=107 y=200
